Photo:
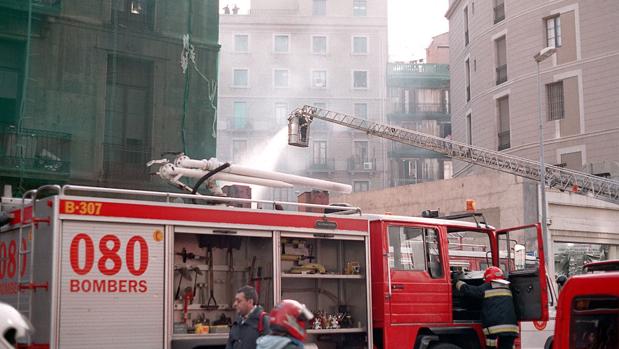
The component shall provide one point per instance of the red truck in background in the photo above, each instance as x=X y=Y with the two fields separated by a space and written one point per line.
x=588 y=309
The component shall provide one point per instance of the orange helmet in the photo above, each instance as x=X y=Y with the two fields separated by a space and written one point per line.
x=493 y=273
x=290 y=316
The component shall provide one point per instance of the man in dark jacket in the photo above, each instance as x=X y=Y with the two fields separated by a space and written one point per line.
x=498 y=315
x=247 y=326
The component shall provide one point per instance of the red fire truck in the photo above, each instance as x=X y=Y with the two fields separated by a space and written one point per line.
x=113 y=268
x=588 y=313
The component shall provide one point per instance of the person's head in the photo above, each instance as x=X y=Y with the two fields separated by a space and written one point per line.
x=493 y=274
x=12 y=326
x=245 y=299
x=289 y=318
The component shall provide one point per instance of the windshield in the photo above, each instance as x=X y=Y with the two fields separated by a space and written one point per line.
x=469 y=250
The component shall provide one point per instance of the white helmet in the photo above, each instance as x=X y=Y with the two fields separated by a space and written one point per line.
x=12 y=326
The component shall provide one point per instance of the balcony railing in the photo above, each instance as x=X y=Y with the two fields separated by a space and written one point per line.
x=321 y=165
x=361 y=165
x=125 y=163
x=31 y=151
x=499 y=13
x=501 y=74
x=38 y=6
x=504 y=140
x=418 y=68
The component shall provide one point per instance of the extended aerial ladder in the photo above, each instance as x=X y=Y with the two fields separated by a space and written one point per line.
x=554 y=176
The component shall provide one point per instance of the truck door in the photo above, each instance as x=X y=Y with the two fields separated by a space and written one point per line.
x=520 y=255
x=419 y=290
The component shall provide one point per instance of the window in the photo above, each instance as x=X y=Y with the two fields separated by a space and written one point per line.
x=503 y=118
x=554 y=94
x=241 y=43
x=239 y=120
x=239 y=148
x=469 y=250
x=280 y=78
x=10 y=81
x=127 y=135
x=319 y=153
x=319 y=45
x=466 y=26
x=361 y=110
x=360 y=79
x=572 y=160
x=360 y=186
x=133 y=14
x=281 y=113
x=360 y=151
x=359 y=45
x=499 y=10
x=553 y=32
x=360 y=8
x=319 y=7
x=594 y=321
x=467 y=72
x=501 y=60
x=241 y=78
x=469 y=130
x=319 y=79
x=429 y=100
x=281 y=43
x=412 y=248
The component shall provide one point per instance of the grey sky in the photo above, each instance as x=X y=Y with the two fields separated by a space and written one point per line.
x=412 y=24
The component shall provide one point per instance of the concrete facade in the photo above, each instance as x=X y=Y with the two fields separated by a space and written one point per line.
x=492 y=44
x=285 y=54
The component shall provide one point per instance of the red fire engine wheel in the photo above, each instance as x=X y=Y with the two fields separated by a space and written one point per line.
x=539 y=325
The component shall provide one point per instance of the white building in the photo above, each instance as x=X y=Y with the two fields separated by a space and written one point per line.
x=286 y=53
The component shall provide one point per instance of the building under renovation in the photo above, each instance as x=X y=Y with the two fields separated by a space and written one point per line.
x=92 y=90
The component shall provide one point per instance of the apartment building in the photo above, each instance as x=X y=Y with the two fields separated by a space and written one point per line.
x=498 y=51
x=92 y=90
x=284 y=54
x=418 y=99
x=494 y=79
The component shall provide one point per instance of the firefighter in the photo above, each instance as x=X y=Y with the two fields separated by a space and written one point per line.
x=13 y=326
x=287 y=323
x=498 y=315
x=251 y=321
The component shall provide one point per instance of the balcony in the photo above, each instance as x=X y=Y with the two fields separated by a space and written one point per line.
x=34 y=153
x=419 y=111
x=499 y=13
x=49 y=7
x=417 y=75
x=356 y=164
x=504 y=140
x=501 y=74
x=409 y=152
x=123 y=163
x=321 y=166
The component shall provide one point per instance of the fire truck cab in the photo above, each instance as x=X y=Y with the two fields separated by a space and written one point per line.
x=414 y=304
x=588 y=313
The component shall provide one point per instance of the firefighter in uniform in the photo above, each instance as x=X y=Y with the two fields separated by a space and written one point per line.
x=498 y=315
x=287 y=322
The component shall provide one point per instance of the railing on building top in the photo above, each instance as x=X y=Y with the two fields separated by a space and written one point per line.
x=418 y=68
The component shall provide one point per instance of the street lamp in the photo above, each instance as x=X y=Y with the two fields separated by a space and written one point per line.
x=540 y=57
